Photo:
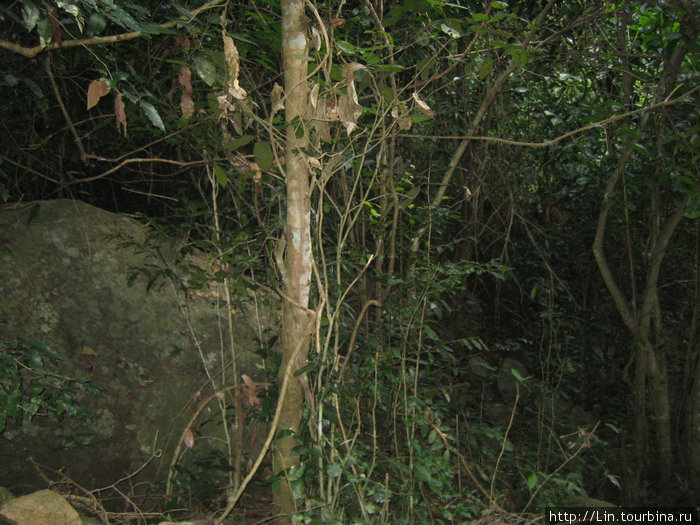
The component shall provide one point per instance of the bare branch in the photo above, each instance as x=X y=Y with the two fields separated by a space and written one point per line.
x=32 y=52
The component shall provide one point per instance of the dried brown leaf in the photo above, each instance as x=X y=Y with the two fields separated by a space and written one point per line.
x=96 y=90
x=320 y=120
x=350 y=68
x=277 y=98
x=186 y=104
x=182 y=41
x=337 y=22
x=315 y=43
x=185 y=77
x=120 y=113
x=425 y=108
x=231 y=57
x=313 y=95
x=249 y=387
x=349 y=109
x=188 y=438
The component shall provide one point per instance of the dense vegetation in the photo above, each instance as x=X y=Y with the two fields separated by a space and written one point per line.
x=494 y=187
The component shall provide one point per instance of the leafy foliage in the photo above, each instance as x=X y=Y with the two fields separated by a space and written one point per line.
x=30 y=385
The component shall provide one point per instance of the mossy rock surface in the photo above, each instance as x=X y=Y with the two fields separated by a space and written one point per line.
x=67 y=279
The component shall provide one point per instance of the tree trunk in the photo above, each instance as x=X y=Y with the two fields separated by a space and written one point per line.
x=694 y=430
x=297 y=235
x=658 y=376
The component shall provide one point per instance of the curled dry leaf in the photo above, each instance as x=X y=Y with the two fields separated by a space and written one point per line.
x=249 y=388
x=186 y=105
x=231 y=57
x=400 y=113
x=186 y=102
x=313 y=95
x=96 y=90
x=277 y=98
x=185 y=77
x=182 y=41
x=224 y=104
x=350 y=68
x=315 y=39
x=236 y=91
x=422 y=105
x=337 y=22
x=188 y=438
x=313 y=162
x=321 y=118
x=349 y=109
x=120 y=113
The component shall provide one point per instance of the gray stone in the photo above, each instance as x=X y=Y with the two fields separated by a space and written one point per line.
x=44 y=507
x=507 y=382
x=153 y=345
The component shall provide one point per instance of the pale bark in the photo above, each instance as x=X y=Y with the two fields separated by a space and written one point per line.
x=296 y=320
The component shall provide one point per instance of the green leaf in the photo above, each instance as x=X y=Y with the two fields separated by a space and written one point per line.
x=238 y=143
x=430 y=333
x=12 y=406
x=30 y=14
x=263 y=155
x=45 y=349
x=285 y=432
x=517 y=375
x=221 y=176
x=35 y=361
x=345 y=47
x=122 y=18
x=480 y=17
x=419 y=117
x=334 y=470
x=532 y=481
x=388 y=68
x=96 y=24
x=205 y=68
x=394 y=16
x=499 y=5
x=31 y=407
x=153 y=115
x=450 y=31
x=43 y=26
x=304 y=369
x=294 y=474
x=519 y=56
x=485 y=68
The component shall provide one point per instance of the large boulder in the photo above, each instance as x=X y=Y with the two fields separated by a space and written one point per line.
x=44 y=507
x=124 y=308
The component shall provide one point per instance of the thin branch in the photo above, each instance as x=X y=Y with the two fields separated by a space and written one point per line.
x=351 y=345
x=32 y=52
x=491 y=93
x=548 y=143
x=57 y=94
x=28 y=169
x=136 y=160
